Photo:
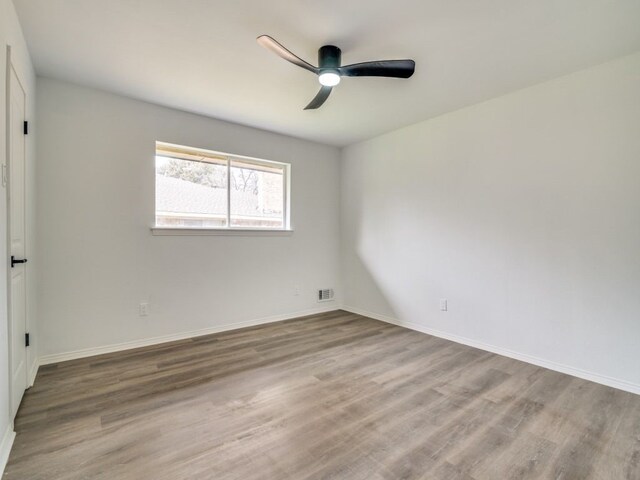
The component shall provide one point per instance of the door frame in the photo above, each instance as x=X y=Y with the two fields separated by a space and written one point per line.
x=10 y=68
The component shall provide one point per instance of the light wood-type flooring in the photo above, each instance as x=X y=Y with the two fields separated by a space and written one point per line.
x=331 y=396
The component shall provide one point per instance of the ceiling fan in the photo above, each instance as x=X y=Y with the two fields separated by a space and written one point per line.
x=329 y=69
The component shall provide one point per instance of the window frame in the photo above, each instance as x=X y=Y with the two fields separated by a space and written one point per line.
x=228 y=158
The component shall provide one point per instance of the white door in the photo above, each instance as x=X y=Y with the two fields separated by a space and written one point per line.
x=17 y=271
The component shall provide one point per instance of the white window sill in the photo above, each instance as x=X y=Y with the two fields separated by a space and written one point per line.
x=257 y=232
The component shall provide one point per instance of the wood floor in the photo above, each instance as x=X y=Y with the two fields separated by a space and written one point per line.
x=333 y=396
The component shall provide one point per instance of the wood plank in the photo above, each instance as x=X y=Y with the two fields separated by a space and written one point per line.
x=330 y=396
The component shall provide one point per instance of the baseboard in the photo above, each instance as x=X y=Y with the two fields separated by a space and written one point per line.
x=540 y=362
x=5 y=447
x=90 y=352
x=33 y=372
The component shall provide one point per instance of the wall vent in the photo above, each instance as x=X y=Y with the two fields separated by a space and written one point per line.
x=325 y=294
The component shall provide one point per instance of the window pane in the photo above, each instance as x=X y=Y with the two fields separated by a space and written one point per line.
x=257 y=195
x=190 y=193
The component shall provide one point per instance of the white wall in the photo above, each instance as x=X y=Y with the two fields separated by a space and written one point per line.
x=96 y=204
x=11 y=35
x=522 y=211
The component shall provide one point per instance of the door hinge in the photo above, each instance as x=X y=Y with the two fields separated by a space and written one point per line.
x=25 y=127
x=14 y=260
x=26 y=339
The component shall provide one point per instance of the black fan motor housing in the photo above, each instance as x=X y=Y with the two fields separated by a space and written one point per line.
x=329 y=56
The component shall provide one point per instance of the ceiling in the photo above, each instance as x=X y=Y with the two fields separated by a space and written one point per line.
x=201 y=56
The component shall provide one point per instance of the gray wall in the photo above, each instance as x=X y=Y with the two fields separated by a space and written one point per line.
x=522 y=211
x=96 y=204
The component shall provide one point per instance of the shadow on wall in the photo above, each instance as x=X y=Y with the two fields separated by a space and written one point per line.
x=368 y=292
x=521 y=264
x=407 y=259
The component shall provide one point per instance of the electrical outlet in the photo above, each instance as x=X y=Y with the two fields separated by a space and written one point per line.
x=443 y=305
x=144 y=309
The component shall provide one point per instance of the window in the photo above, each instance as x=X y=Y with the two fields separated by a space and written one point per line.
x=203 y=189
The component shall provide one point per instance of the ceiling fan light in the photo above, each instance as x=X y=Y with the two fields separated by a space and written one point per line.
x=329 y=78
